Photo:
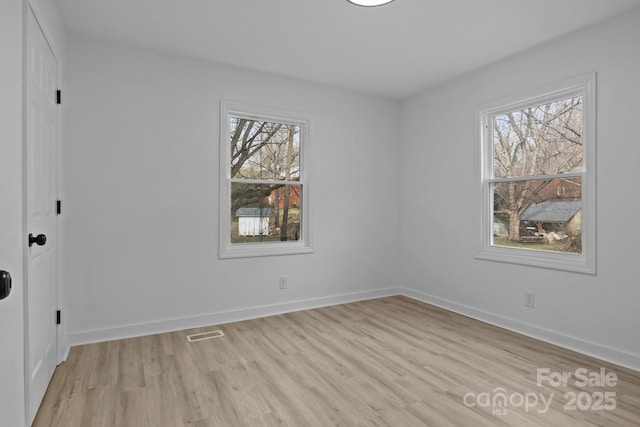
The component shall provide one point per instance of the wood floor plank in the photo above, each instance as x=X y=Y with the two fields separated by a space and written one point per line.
x=384 y=362
x=160 y=403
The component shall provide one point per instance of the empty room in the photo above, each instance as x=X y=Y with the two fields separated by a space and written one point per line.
x=319 y=213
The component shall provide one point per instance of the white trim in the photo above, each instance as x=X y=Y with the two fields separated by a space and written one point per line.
x=261 y=181
x=580 y=263
x=537 y=177
x=36 y=9
x=618 y=357
x=31 y=8
x=221 y=317
x=304 y=245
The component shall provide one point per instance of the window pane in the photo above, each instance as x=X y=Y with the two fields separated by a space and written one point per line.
x=264 y=150
x=540 y=140
x=265 y=212
x=538 y=214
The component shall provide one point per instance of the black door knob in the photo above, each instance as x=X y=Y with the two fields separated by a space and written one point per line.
x=5 y=284
x=39 y=240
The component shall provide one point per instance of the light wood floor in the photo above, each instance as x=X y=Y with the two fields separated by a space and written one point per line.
x=385 y=362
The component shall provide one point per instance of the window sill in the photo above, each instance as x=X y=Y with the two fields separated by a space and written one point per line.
x=249 y=250
x=577 y=263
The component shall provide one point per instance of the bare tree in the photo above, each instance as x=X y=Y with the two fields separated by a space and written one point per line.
x=287 y=188
x=248 y=137
x=534 y=142
x=263 y=151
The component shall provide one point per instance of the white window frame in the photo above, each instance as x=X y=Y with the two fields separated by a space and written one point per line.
x=238 y=250
x=585 y=262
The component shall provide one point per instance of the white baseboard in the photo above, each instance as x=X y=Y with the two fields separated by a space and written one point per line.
x=218 y=318
x=617 y=357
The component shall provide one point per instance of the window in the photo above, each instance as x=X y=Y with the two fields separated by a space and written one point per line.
x=538 y=178
x=264 y=190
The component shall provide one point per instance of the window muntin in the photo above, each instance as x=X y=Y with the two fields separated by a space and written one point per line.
x=264 y=190
x=538 y=178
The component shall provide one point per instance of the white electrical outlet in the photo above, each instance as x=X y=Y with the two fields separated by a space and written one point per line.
x=529 y=299
x=283 y=282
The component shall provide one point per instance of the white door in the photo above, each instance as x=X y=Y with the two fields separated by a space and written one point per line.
x=42 y=222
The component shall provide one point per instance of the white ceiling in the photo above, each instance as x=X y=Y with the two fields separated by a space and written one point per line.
x=394 y=50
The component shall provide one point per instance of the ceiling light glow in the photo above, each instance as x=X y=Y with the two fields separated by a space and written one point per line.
x=369 y=3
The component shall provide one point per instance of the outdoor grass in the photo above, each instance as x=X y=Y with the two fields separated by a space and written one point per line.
x=501 y=241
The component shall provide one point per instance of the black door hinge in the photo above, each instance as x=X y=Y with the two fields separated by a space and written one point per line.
x=58 y=207
x=58 y=318
x=58 y=97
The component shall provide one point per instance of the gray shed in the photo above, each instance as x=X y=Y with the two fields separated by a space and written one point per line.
x=553 y=212
x=562 y=215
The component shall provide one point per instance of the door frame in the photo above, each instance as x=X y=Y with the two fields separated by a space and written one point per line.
x=32 y=7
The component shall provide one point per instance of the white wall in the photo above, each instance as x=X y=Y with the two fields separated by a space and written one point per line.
x=140 y=185
x=595 y=314
x=141 y=195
